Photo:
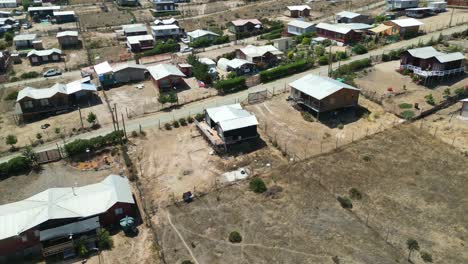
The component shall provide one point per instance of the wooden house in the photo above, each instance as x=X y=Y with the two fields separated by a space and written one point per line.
x=262 y=56
x=298 y=11
x=338 y=32
x=322 y=94
x=140 y=43
x=351 y=17
x=68 y=39
x=24 y=41
x=166 y=76
x=38 y=57
x=244 y=26
x=5 y=61
x=406 y=27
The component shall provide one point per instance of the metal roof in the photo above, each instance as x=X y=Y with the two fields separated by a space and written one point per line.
x=454 y=56
x=161 y=71
x=348 y=14
x=407 y=22
x=46 y=52
x=67 y=34
x=169 y=21
x=231 y=117
x=164 y=27
x=424 y=52
x=64 y=13
x=123 y=66
x=256 y=51
x=207 y=61
x=300 y=24
x=319 y=87
x=299 y=7
x=236 y=63
x=24 y=37
x=356 y=26
x=201 y=33
x=60 y=203
x=42 y=8
x=102 y=68
x=241 y=22
x=380 y=28
x=333 y=27
x=132 y=28
x=137 y=39
x=69 y=88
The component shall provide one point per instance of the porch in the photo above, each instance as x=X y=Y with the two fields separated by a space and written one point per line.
x=423 y=73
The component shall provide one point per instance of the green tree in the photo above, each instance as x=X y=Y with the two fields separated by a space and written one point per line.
x=430 y=99
x=359 y=49
x=30 y=155
x=26 y=4
x=305 y=41
x=91 y=118
x=8 y=37
x=104 y=239
x=11 y=140
x=319 y=50
x=412 y=245
x=257 y=185
x=235 y=237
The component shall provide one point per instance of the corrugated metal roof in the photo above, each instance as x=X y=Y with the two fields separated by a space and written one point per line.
x=348 y=14
x=64 y=13
x=300 y=24
x=164 y=27
x=319 y=87
x=299 y=7
x=123 y=66
x=207 y=61
x=161 y=71
x=67 y=34
x=256 y=51
x=380 y=28
x=132 y=28
x=169 y=21
x=236 y=63
x=69 y=88
x=201 y=33
x=60 y=203
x=333 y=28
x=137 y=39
x=46 y=52
x=450 y=57
x=42 y=8
x=424 y=52
x=407 y=22
x=241 y=22
x=230 y=117
x=102 y=68
x=25 y=37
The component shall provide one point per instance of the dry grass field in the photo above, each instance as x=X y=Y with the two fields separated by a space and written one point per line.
x=412 y=184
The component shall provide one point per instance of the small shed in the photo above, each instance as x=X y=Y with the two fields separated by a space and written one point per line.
x=64 y=16
x=68 y=39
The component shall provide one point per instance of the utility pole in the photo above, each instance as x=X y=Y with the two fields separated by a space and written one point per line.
x=451 y=17
x=330 y=62
x=81 y=118
x=123 y=124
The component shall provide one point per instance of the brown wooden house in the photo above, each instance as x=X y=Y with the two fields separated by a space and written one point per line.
x=166 y=76
x=338 y=32
x=428 y=62
x=38 y=57
x=262 y=56
x=298 y=11
x=323 y=94
x=244 y=25
x=407 y=27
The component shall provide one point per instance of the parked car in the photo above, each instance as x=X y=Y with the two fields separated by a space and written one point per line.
x=185 y=40
x=186 y=49
x=51 y=72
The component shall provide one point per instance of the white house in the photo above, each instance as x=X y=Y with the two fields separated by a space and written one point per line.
x=8 y=4
x=201 y=34
x=402 y=4
x=165 y=31
x=299 y=27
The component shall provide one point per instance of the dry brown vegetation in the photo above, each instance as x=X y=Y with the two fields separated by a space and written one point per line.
x=413 y=186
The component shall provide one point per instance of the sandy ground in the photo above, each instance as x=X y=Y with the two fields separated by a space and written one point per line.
x=440 y=21
x=382 y=76
x=106 y=17
x=404 y=197
x=300 y=138
x=66 y=122
x=58 y=174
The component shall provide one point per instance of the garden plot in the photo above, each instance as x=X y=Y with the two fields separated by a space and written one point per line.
x=376 y=82
x=412 y=186
x=285 y=127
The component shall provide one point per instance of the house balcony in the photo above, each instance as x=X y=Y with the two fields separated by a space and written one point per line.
x=424 y=73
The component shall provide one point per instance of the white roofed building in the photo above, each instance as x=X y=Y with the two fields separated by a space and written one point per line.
x=8 y=4
x=299 y=27
x=38 y=57
x=201 y=34
x=134 y=30
x=298 y=11
x=166 y=31
x=342 y=33
x=51 y=217
x=406 y=27
x=231 y=123
x=351 y=17
x=427 y=62
x=24 y=41
x=323 y=94
x=401 y=4
x=169 y=21
x=263 y=56
x=166 y=76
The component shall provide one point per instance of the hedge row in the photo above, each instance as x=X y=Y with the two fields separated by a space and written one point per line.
x=352 y=67
x=160 y=47
x=231 y=85
x=283 y=71
x=205 y=42
x=14 y=166
x=80 y=146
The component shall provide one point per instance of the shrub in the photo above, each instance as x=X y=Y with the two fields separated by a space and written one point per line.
x=307 y=117
x=168 y=126
x=183 y=121
x=351 y=67
x=257 y=185
x=190 y=119
x=175 y=124
x=11 y=96
x=199 y=117
x=79 y=146
x=134 y=133
x=405 y=106
x=345 y=202
x=283 y=71
x=359 y=49
x=104 y=239
x=161 y=47
x=407 y=114
x=427 y=257
x=340 y=126
x=187 y=262
x=366 y=158
x=430 y=99
x=461 y=92
x=235 y=237
x=16 y=165
x=355 y=194
x=82 y=249
x=323 y=60
x=231 y=85
x=11 y=140
x=170 y=97
x=91 y=118
x=30 y=75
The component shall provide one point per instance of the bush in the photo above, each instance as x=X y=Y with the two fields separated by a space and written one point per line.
x=235 y=237
x=134 y=133
x=407 y=114
x=168 y=126
x=161 y=47
x=323 y=60
x=430 y=99
x=190 y=119
x=427 y=257
x=340 y=126
x=345 y=202
x=187 y=262
x=231 y=85
x=175 y=124
x=183 y=121
x=30 y=75
x=170 y=97
x=199 y=70
x=351 y=67
x=307 y=117
x=355 y=194
x=104 y=239
x=405 y=106
x=199 y=117
x=79 y=146
x=257 y=185
x=11 y=96
x=359 y=49
x=16 y=165
x=366 y=158
x=283 y=71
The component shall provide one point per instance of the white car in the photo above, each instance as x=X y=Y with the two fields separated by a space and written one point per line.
x=186 y=49
x=185 y=40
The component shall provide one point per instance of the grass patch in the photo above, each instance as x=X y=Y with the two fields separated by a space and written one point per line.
x=407 y=114
x=405 y=106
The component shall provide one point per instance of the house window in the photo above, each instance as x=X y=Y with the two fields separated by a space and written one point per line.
x=44 y=102
x=28 y=104
x=45 y=58
x=118 y=211
x=24 y=238
x=34 y=59
x=55 y=57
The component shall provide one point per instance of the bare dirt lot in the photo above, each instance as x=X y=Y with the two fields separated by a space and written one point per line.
x=379 y=78
x=412 y=186
x=300 y=138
